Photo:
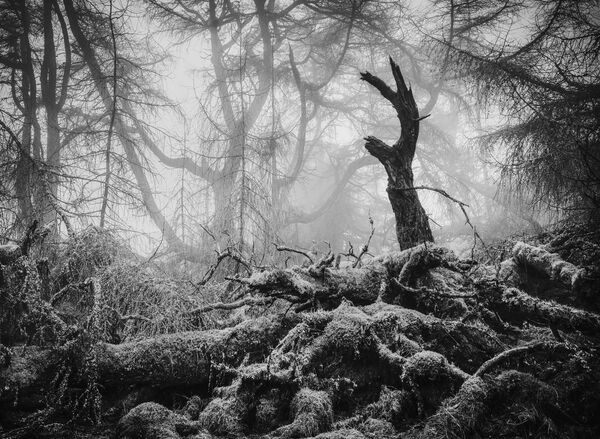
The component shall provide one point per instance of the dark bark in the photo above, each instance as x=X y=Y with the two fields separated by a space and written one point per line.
x=412 y=224
x=30 y=136
x=289 y=374
x=186 y=358
x=48 y=83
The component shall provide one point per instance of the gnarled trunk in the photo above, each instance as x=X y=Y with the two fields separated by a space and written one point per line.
x=412 y=225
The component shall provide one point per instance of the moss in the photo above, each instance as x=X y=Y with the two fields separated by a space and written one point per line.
x=24 y=370
x=561 y=316
x=347 y=331
x=312 y=413
x=432 y=379
x=457 y=417
x=512 y=405
x=224 y=416
x=153 y=421
x=425 y=366
x=465 y=345
x=397 y=407
x=378 y=428
x=266 y=414
x=550 y=263
x=346 y=433
x=193 y=407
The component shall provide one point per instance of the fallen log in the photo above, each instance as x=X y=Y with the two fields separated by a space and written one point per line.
x=324 y=286
x=548 y=263
x=167 y=360
x=442 y=290
x=515 y=304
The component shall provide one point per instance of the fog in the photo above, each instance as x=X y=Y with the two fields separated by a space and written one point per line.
x=248 y=121
x=346 y=110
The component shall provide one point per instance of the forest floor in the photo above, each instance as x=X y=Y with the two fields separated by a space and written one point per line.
x=96 y=342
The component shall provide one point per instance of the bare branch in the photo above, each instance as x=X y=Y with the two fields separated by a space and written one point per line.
x=232 y=305
x=281 y=248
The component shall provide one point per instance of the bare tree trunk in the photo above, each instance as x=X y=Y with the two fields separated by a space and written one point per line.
x=25 y=165
x=113 y=112
x=135 y=163
x=48 y=88
x=412 y=225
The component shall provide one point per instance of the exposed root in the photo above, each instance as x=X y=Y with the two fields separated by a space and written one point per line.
x=511 y=353
x=410 y=343
x=517 y=304
x=551 y=264
x=462 y=415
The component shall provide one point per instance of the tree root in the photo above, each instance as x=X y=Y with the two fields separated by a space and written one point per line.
x=462 y=415
x=515 y=304
x=551 y=264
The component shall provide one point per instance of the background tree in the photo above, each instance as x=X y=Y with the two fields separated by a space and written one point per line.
x=540 y=79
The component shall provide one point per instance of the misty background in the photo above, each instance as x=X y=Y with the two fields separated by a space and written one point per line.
x=189 y=126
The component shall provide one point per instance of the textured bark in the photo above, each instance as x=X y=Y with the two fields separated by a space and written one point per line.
x=517 y=305
x=412 y=224
x=477 y=399
x=551 y=264
x=175 y=359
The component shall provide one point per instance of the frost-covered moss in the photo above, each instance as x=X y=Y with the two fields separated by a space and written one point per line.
x=223 y=416
x=346 y=333
x=349 y=433
x=312 y=413
x=378 y=428
x=431 y=379
x=267 y=413
x=153 y=421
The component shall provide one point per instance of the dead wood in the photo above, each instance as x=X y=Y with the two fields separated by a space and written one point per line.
x=516 y=305
x=549 y=263
x=416 y=322
x=181 y=358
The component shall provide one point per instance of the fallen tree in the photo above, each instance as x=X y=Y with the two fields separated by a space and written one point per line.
x=418 y=343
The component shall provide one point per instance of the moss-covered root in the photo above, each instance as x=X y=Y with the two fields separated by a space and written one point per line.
x=521 y=405
x=551 y=264
x=346 y=433
x=520 y=305
x=432 y=379
x=153 y=421
x=312 y=412
x=224 y=416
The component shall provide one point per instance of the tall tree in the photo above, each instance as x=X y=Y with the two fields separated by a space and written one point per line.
x=542 y=79
x=252 y=45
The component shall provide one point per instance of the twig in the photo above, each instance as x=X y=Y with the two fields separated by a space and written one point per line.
x=157 y=247
x=455 y=296
x=227 y=253
x=556 y=334
x=365 y=248
x=57 y=296
x=461 y=205
x=231 y=305
x=485 y=367
x=350 y=251
x=282 y=248
x=240 y=280
x=124 y=318
x=419 y=119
